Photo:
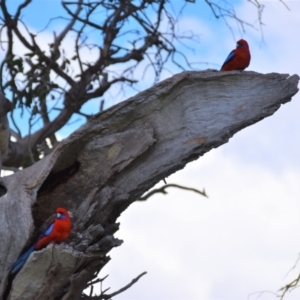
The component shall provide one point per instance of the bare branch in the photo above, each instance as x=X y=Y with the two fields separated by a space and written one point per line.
x=76 y=16
x=21 y=6
x=294 y=266
x=133 y=281
x=62 y=35
x=289 y=287
x=104 y=296
x=293 y=284
x=162 y=190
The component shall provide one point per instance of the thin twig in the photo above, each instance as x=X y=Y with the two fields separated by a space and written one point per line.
x=133 y=281
x=290 y=286
x=293 y=267
x=104 y=296
x=259 y=294
x=162 y=190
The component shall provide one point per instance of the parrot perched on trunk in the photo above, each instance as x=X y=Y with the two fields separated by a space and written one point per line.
x=58 y=231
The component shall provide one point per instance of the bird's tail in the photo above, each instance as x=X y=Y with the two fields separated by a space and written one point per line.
x=19 y=263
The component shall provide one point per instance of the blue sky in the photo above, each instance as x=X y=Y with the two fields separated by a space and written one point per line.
x=244 y=238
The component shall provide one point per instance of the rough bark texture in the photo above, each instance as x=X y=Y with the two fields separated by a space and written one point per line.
x=111 y=161
x=5 y=107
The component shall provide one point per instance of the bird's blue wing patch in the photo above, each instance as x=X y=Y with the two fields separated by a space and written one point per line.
x=49 y=230
x=229 y=57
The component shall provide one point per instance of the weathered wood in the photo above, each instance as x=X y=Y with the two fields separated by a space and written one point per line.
x=112 y=160
x=5 y=107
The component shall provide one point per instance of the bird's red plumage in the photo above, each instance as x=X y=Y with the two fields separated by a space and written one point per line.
x=60 y=232
x=57 y=232
x=241 y=59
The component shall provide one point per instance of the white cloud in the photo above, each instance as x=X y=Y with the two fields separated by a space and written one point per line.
x=240 y=240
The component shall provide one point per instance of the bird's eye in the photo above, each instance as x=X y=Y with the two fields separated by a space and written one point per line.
x=58 y=215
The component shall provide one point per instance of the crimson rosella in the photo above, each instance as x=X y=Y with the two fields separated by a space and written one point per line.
x=57 y=232
x=239 y=58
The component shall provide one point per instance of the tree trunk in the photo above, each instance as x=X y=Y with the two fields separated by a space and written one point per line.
x=99 y=170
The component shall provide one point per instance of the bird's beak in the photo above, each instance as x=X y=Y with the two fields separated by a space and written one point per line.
x=70 y=214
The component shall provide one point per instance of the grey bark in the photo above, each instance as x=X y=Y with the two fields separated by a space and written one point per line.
x=99 y=170
x=5 y=107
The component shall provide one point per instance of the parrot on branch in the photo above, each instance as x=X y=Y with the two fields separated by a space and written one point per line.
x=58 y=231
x=239 y=58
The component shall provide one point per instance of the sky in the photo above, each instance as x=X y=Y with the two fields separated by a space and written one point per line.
x=241 y=242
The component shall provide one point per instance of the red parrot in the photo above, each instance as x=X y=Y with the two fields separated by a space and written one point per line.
x=58 y=231
x=239 y=58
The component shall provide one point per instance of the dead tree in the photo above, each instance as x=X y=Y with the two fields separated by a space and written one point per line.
x=111 y=162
